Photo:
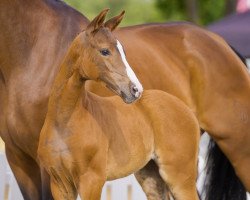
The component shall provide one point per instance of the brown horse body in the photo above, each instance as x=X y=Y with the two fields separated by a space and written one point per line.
x=34 y=37
x=108 y=139
x=198 y=67
x=87 y=139
x=184 y=60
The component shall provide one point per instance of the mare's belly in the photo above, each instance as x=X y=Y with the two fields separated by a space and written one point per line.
x=130 y=151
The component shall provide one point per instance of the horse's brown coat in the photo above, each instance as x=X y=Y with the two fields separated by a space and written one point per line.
x=193 y=64
x=87 y=139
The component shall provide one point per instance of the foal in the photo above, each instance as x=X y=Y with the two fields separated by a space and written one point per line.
x=87 y=139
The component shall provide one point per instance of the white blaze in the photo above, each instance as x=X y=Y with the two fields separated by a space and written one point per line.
x=129 y=70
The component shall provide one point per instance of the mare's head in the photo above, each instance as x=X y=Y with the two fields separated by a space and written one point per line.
x=102 y=58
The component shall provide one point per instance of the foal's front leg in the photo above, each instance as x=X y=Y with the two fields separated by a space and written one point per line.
x=91 y=184
x=62 y=187
x=93 y=176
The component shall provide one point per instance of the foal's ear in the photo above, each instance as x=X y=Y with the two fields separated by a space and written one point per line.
x=115 y=21
x=97 y=22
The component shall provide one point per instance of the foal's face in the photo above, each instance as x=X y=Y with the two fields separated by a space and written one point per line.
x=104 y=60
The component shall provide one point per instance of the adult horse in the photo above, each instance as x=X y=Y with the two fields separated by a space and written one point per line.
x=87 y=139
x=189 y=62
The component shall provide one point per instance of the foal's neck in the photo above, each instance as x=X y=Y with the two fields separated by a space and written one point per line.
x=68 y=88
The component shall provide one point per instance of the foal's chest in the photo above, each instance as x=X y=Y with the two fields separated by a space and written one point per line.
x=123 y=134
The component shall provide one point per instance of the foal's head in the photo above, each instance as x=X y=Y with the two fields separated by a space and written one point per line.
x=102 y=58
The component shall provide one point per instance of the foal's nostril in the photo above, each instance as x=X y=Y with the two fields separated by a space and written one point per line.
x=135 y=92
x=134 y=89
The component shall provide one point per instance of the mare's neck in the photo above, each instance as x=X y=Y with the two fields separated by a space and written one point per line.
x=35 y=34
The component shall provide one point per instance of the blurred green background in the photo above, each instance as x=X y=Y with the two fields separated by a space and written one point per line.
x=201 y=12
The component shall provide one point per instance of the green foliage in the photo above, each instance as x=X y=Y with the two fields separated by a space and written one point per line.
x=137 y=11
x=207 y=10
x=172 y=9
x=142 y=11
x=211 y=10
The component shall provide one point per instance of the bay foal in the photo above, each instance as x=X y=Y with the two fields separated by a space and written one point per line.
x=87 y=139
x=184 y=60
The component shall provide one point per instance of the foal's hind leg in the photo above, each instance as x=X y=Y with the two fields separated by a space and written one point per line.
x=179 y=174
x=176 y=150
x=151 y=182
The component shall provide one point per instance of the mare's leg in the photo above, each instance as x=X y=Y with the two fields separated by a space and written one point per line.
x=27 y=173
x=47 y=195
x=151 y=182
x=228 y=122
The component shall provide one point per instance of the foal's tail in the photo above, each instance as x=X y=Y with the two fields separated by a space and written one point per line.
x=221 y=181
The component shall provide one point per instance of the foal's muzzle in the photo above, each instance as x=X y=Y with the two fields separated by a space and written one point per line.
x=131 y=94
x=127 y=90
x=135 y=91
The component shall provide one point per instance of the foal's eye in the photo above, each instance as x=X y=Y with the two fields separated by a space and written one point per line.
x=105 y=52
